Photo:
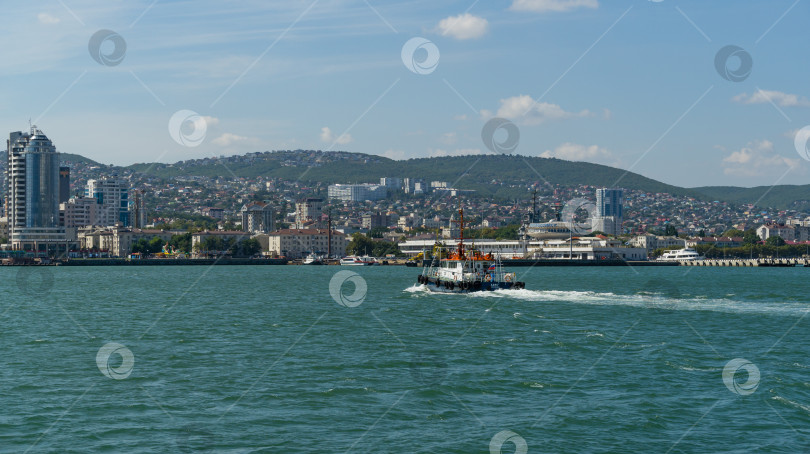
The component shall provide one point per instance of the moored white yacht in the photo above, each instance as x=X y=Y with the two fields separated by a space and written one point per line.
x=678 y=255
x=354 y=260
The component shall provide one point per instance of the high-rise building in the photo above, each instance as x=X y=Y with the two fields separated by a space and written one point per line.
x=258 y=217
x=64 y=184
x=79 y=212
x=137 y=210
x=357 y=192
x=308 y=213
x=112 y=195
x=609 y=211
x=391 y=183
x=32 y=174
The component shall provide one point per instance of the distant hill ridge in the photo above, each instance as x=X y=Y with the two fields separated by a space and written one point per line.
x=500 y=176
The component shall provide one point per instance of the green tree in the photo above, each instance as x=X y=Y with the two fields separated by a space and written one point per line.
x=155 y=245
x=750 y=237
x=670 y=230
x=144 y=246
x=360 y=245
x=245 y=248
x=181 y=242
x=775 y=241
x=510 y=232
x=377 y=232
x=733 y=233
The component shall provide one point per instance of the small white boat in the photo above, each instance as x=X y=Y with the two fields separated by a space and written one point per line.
x=313 y=259
x=678 y=255
x=354 y=260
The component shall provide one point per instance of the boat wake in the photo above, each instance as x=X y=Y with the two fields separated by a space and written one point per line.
x=645 y=300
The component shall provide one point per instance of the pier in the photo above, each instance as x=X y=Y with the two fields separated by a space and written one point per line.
x=747 y=262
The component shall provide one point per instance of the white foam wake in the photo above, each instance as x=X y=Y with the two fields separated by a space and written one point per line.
x=651 y=301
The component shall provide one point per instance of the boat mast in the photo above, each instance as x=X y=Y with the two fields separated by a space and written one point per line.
x=461 y=233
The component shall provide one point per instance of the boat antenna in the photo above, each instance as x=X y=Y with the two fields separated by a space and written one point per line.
x=461 y=232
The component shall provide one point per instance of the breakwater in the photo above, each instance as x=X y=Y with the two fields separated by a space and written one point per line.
x=169 y=262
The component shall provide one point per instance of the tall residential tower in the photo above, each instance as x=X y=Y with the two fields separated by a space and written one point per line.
x=33 y=193
x=609 y=211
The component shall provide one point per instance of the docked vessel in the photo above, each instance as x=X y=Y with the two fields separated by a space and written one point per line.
x=678 y=255
x=313 y=259
x=463 y=271
x=354 y=260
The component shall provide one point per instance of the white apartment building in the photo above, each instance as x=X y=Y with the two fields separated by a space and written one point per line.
x=298 y=243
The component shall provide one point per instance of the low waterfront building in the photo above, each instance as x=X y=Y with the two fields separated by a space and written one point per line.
x=589 y=248
x=117 y=241
x=298 y=243
x=653 y=242
x=786 y=232
x=720 y=242
x=582 y=248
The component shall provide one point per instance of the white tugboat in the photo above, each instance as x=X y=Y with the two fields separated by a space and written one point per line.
x=463 y=271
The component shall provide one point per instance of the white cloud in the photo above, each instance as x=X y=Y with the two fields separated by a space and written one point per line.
x=463 y=26
x=524 y=109
x=45 y=18
x=575 y=152
x=457 y=152
x=228 y=139
x=757 y=159
x=542 y=6
x=211 y=122
x=462 y=117
x=328 y=137
x=776 y=97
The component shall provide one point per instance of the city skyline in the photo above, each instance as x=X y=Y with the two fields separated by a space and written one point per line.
x=584 y=83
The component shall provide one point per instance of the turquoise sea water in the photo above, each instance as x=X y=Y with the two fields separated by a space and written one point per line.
x=264 y=360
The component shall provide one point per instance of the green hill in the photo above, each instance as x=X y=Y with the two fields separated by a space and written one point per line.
x=781 y=197
x=500 y=176
x=489 y=174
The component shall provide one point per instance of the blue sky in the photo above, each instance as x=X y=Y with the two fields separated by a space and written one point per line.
x=631 y=84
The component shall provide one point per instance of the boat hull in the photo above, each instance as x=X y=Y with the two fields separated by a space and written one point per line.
x=442 y=287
